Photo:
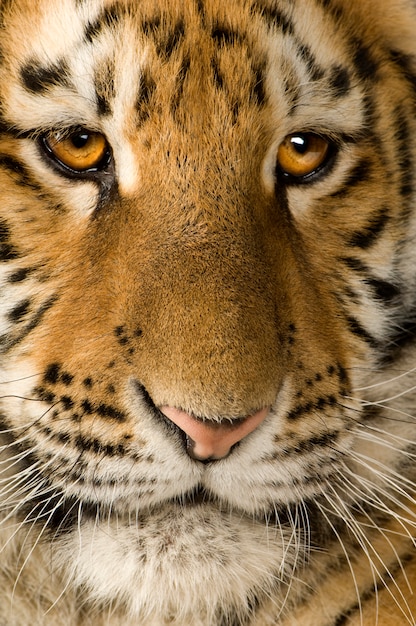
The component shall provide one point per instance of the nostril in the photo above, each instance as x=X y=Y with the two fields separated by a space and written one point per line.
x=209 y=441
x=193 y=451
x=190 y=448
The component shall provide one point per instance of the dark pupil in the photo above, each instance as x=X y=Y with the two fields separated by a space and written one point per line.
x=300 y=143
x=80 y=140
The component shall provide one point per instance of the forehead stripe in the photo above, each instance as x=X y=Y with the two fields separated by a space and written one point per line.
x=274 y=18
x=38 y=79
x=109 y=17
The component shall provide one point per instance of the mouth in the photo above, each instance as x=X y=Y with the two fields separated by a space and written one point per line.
x=197 y=496
x=60 y=516
x=201 y=497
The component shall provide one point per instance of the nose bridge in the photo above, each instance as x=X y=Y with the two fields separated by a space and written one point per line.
x=217 y=282
x=211 y=337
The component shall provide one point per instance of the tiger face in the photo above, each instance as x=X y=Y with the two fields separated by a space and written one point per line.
x=207 y=264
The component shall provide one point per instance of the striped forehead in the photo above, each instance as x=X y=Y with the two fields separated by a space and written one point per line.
x=124 y=59
x=145 y=45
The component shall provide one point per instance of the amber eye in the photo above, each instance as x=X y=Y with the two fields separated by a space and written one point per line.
x=302 y=154
x=80 y=151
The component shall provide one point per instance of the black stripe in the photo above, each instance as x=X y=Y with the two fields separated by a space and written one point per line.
x=343 y=619
x=12 y=129
x=200 y=7
x=7 y=342
x=404 y=138
x=319 y=405
x=49 y=504
x=309 y=445
x=383 y=290
x=104 y=87
x=342 y=375
x=103 y=105
x=20 y=275
x=19 y=311
x=60 y=514
x=22 y=177
x=292 y=92
x=151 y=25
x=370 y=413
x=166 y=41
x=107 y=411
x=365 y=65
x=312 y=65
x=109 y=17
x=7 y=250
x=38 y=79
x=371 y=116
x=67 y=378
x=359 y=331
x=226 y=36
x=98 y=447
x=67 y=402
x=179 y=86
x=403 y=335
x=339 y=81
x=147 y=88
x=354 y=264
x=218 y=76
x=406 y=65
x=370 y=234
x=273 y=17
x=167 y=44
x=44 y=394
x=5 y=6
x=333 y=9
x=6 y=127
x=258 y=93
x=361 y=173
x=52 y=373
x=87 y=407
x=110 y=412
x=386 y=578
x=278 y=20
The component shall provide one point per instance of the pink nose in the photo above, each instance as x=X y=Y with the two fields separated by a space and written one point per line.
x=211 y=440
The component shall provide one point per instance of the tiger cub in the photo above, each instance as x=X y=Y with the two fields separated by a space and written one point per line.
x=208 y=309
